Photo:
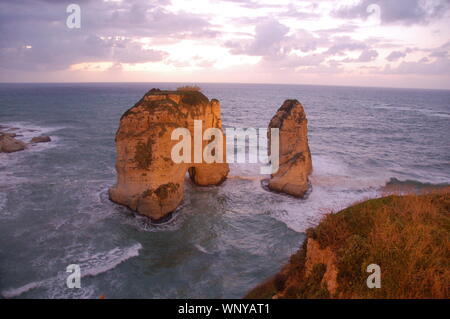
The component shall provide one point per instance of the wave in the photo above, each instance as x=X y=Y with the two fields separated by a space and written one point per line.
x=417 y=109
x=336 y=186
x=26 y=131
x=15 y=292
x=246 y=178
x=408 y=186
x=105 y=261
x=201 y=248
x=93 y=265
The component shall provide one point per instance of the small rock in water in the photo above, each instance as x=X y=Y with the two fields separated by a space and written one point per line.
x=9 y=144
x=41 y=139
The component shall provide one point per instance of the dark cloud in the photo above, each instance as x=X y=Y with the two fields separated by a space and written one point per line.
x=397 y=11
x=35 y=35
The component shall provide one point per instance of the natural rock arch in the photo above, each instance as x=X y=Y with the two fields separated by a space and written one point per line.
x=148 y=180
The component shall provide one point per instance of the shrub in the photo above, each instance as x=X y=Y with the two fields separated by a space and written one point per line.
x=189 y=88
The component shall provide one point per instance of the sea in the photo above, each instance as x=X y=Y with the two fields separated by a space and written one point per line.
x=223 y=240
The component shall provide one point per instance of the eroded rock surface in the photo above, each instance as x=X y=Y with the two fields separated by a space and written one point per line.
x=295 y=157
x=148 y=180
x=9 y=144
x=41 y=139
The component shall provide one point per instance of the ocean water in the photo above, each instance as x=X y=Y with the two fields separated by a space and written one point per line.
x=54 y=207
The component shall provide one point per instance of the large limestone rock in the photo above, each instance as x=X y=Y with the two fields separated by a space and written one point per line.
x=294 y=156
x=148 y=180
x=9 y=144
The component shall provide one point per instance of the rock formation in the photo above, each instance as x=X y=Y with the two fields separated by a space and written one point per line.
x=294 y=156
x=41 y=139
x=9 y=144
x=148 y=180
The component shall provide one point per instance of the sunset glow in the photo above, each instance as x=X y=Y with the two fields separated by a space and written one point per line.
x=370 y=43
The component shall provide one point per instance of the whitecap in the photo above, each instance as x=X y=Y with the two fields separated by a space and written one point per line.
x=91 y=265
x=15 y=292
x=201 y=248
x=104 y=261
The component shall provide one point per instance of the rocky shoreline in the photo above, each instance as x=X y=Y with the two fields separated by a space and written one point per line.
x=10 y=142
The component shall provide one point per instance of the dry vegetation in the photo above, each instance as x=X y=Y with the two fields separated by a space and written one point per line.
x=408 y=236
x=189 y=88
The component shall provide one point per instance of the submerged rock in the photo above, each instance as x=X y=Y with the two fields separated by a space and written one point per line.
x=295 y=157
x=9 y=144
x=8 y=134
x=148 y=180
x=40 y=139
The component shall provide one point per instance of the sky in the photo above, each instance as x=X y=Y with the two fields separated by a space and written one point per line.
x=387 y=43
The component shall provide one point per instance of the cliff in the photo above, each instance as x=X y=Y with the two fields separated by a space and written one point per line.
x=407 y=236
x=295 y=164
x=149 y=181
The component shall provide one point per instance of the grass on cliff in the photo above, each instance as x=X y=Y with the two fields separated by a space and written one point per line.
x=407 y=236
x=189 y=88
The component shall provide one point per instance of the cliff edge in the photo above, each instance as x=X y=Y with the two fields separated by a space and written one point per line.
x=406 y=236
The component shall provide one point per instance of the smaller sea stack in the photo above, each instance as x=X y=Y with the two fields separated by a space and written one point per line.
x=295 y=157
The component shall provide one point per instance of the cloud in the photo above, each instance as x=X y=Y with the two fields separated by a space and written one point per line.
x=268 y=36
x=399 y=11
x=367 y=55
x=251 y=4
x=395 y=55
x=135 y=53
x=109 y=31
x=291 y=61
x=344 y=28
x=293 y=11
x=345 y=43
x=440 y=66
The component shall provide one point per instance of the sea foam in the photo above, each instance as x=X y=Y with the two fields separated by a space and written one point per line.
x=93 y=265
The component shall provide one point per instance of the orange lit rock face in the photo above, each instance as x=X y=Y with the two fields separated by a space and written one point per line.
x=295 y=158
x=148 y=180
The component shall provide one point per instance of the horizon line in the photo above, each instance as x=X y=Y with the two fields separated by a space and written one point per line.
x=251 y=83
